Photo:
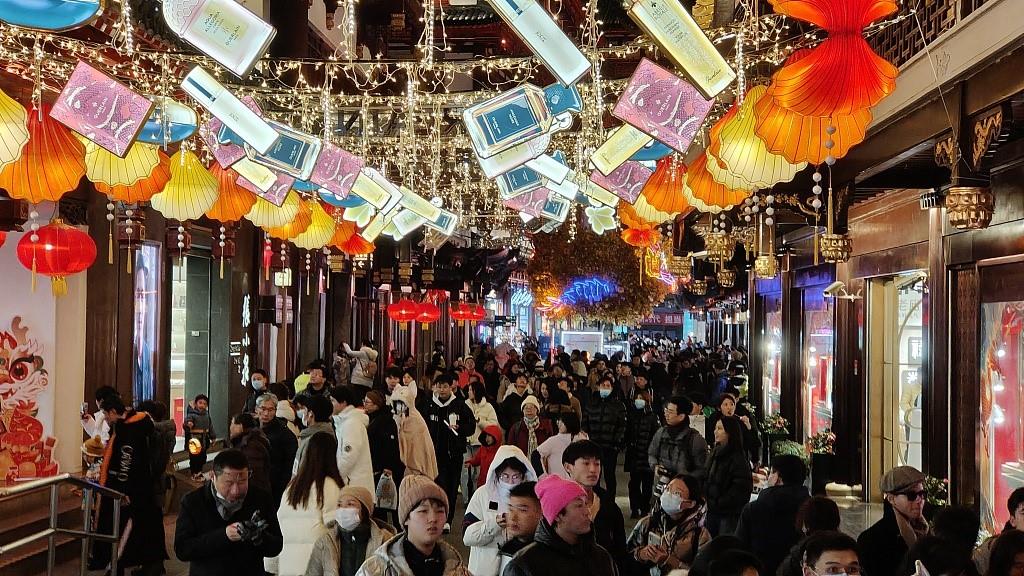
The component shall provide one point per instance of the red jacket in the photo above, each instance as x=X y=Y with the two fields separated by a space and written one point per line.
x=485 y=454
x=519 y=434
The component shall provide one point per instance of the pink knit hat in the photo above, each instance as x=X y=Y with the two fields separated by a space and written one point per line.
x=555 y=494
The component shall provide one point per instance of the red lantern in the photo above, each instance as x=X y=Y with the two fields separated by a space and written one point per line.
x=403 y=312
x=427 y=313
x=461 y=312
x=56 y=250
x=477 y=313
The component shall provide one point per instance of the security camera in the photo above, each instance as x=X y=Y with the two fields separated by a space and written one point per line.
x=834 y=289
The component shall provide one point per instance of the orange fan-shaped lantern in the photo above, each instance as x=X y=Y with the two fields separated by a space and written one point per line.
x=51 y=164
x=664 y=189
x=144 y=189
x=303 y=218
x=629 y=217
x=800 y=138
x=320 y=230
x=356 y=245
x=234 y=201
x=56 y=250
x=842 y=74
x=703 y=187
x=640 y=237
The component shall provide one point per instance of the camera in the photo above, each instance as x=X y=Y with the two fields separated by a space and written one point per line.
x=252 y=529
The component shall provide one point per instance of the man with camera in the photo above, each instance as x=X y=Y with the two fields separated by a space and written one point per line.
x=224 y=526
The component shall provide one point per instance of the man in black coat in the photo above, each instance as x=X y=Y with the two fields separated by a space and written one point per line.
x=582 y=460
x=768 y=525
x=883 y=546
x=450 y=422
x=225 y=527
x=283 y=445
x=604 y=421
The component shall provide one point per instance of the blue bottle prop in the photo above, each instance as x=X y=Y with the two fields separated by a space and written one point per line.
x=170 y=122
x=50 y=15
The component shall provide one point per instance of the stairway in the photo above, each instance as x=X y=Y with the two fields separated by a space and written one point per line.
x=30 y=513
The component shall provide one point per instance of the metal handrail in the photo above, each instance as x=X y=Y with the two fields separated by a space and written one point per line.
x=89 y=491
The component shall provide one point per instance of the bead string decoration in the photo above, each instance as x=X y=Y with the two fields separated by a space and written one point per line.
x=128 y=230
x=309 y=264
x=34 y=237
x=221 y=243
x=110 y=229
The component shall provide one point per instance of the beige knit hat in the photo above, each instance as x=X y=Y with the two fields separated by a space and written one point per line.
x=362 y=495
x=415 y=489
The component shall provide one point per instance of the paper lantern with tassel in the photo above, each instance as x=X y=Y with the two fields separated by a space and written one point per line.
x=460 y=313
x=56 y=250
x=303 y=218
x=320 y=230
x=51 y=163
x=267 y=215
x=403 y=312
x=629 y=217
x=742 y=154
x=190 y=192
x=641 y=237
x=704 y=188
x=234 y=202
x=102 y=166
x=477 y=313
x=13 y=129
x=664 y=190
x=3 y=238
x=650 y=214
x=145 y=188
x=427 y=313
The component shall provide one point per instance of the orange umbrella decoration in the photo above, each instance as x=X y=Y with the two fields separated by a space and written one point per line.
x=347 y=239
x=13 y=129
x=800 y=138
x=51 y=164
x=842 y=74
x=302 y=219
x=640 y=237
x=664 y=189
x=736 y=149
x=234 y=201
x=701 y=186
x=190 y=192
x=320 y=230
x=144 y=189
x=56 y=250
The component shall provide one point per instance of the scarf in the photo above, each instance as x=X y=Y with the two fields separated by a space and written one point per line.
x=531 y=427
x=911 y=530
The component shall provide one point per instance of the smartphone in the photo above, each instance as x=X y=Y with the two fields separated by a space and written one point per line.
x=84 y=409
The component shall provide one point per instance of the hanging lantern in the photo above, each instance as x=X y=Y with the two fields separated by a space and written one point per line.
x=702 y=186
x=13 y=129
x=56 y=250
x=766 y=266
x=629 y=217
x=726 y=278
x=649 y=213
x=303 y=218
x=51 y=164
x=143 y=189
x=3 y=238
x=268 y=215
x=969 y=207
x=698 y=287
x=664 y=190
x=224 y=248
x=403 y=312
x=460 y=313
x=320 y=230
x=233 y=201
x=681 y=267
x=427 y=313
x=640 y=237
x=719 y=245
x=190 y=192
x=477 y=313
x=105 y=167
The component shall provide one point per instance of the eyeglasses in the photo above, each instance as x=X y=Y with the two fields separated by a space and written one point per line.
x=511 y=478
x=913 y=496
x=837 y=569
x=268 y=408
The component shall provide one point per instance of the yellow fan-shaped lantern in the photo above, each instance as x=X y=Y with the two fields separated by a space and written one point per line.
x=629 y=217
x=698 y=204
x=664 y=189
x=267 y=215
x=320 y=230
x=145 y=188
x=234 y=201
x=303 y=218
x=742 y=153
x=112 y=170
x=51 y=163
x=13 y=129
x=190 y=192
x=649 y=213
x=704 y=188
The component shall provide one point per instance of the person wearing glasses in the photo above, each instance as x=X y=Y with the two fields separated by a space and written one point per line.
x=486 y=521
x=831 y=554
x=283 y=444
x=883 y=546
x=668 y=538
x=676 y=447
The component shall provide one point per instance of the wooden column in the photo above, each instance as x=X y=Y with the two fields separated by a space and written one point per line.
x=964 y=328
x=792 y=371
x=935 y=402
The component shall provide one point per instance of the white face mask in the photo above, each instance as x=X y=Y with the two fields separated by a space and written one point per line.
x=504 y=488
x=348 y=518
x=300 y=414
x=257 y=384
x=671 y=503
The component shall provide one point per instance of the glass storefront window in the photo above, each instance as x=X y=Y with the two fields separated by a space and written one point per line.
x=146 y=276
x=1000 y=434
x=190 y=335
x=771 y=336
x=909 y=339
x=817 y=360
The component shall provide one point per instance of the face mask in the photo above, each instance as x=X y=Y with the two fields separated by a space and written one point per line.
x=640 y=403
x=348 y=518
x=504 y=488
x=300 y=414
x=257 y=384
x=671 y=503
x=604 y=392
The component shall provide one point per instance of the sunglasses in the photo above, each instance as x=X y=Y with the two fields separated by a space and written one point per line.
x=913 y=496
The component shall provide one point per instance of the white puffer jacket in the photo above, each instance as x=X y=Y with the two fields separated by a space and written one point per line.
x=354 y=448
x=302 y=527
x=480 y=526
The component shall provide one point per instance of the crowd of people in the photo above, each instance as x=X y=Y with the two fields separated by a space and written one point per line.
x=354 y=469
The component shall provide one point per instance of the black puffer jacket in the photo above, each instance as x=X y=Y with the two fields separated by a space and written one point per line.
x=549 y=554
x=283 y=445
x=641 y=424
x=604 y=421
x=729 y=482
x=768 y=525
x=383 y=435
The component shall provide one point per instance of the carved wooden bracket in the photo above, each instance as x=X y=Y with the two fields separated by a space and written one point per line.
x=986 y=129
x=945 y=151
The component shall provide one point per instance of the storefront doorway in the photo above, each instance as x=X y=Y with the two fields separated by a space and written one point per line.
x=895 y=349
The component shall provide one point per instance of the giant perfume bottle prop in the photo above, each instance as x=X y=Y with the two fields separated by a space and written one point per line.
x=674 y=30
x=626 y=181
x=535 y=27
x=213 y=96
x=517 y=116
x=295 y=153
x=222 y=29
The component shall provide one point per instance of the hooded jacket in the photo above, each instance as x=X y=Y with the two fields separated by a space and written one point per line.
x=681 y=539
x=326 y=556
x=484 y=414
x=549 y=554
x=363 y=356
x=480 y=525
x=389 y=560
x=414 y=443
x=768 y=525
x=354 y=448
x=485 y=454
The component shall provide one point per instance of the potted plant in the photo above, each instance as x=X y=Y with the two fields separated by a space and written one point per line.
x=936 y=495
x=775 y=428
x=822 y=447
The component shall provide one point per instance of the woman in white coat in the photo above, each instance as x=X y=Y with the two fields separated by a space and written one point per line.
x=308 y=504
x=485 y=415
x=484 y=523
